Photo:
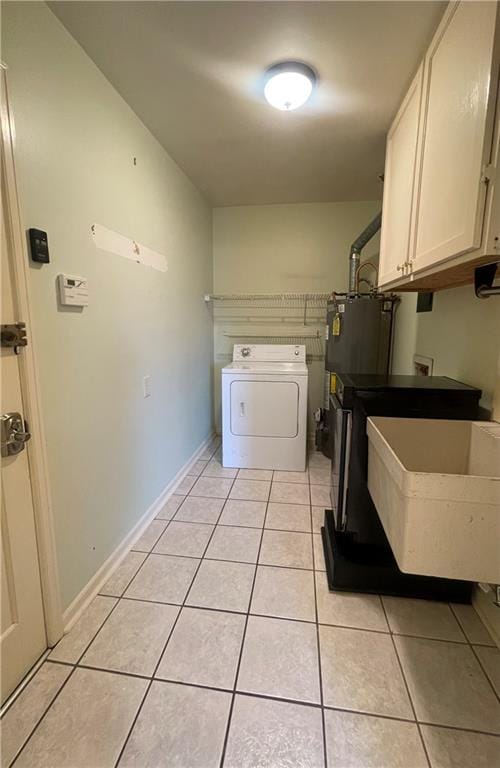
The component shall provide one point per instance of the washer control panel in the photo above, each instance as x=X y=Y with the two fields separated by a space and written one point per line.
x=272 y=353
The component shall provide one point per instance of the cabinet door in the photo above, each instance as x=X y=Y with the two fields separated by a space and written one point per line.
x=399 y=182
x=456 y=134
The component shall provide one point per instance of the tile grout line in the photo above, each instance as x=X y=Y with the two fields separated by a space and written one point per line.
x=460 y=728
x=167 y=524
x=41 y=718
x=318 y=641
x=153 y=676
x=314 y=571
x=271 y=616
x=473 y=650
x=424 y=746
x=142 y=552
x=78 y=664
x=485 y=673
x=233 y=697
x=279 y=618
x=268 y=696
x=23 y=684
x=121 y=673
x=149 y=552
x=75 y=666
x=225 y=560
x=457 y=619
x=136 y=571
x=230 y=525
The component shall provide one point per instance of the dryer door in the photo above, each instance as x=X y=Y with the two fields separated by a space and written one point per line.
x=264 y=408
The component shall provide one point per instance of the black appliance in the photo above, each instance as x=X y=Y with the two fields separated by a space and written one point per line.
x=358 y=337
x=357 y=552
x=358 y=327
x=358 y=340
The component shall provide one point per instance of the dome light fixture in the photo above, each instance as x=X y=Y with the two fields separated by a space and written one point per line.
x=289 y=85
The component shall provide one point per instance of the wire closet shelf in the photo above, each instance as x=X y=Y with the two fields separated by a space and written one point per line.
x=289 y=318
x=282 y=298
x=269 y=301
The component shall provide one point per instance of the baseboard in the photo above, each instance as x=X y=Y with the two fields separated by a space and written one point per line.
x=91 y=589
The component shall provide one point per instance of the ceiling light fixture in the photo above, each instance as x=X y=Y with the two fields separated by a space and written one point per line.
x=289 y=85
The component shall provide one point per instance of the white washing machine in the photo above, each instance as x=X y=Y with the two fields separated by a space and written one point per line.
x=264 y=407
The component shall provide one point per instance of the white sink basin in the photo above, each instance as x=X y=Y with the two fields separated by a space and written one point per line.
x=436 y=486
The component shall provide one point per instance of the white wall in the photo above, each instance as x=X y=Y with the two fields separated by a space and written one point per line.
x=405 y=334
x=283 y=248
x=111 y=452
x=461 y=334
x=296 y=247
x=304 y=247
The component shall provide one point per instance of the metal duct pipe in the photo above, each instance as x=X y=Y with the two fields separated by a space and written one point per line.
x=357 y=246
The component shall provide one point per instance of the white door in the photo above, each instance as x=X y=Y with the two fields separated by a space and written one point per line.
x=23 y=637
x=399 y=180
x=264 y=408
x=457 y=129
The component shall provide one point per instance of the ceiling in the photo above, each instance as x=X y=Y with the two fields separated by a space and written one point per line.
x=192 y=71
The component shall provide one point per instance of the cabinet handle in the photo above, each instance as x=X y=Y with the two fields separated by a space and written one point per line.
x=405 y=267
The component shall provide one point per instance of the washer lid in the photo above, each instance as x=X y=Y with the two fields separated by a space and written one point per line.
x=288 y=369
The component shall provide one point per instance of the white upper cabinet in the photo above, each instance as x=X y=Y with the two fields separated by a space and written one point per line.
x=442 y=181
x=399 y=182
x=456 y=134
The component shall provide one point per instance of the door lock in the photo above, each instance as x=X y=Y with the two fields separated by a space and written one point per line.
x=14 y=335
x=14 y=433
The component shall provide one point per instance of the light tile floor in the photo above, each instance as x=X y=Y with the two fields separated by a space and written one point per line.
x=216 y=642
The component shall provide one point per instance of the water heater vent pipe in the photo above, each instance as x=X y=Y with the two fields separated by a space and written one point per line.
x=357 y=246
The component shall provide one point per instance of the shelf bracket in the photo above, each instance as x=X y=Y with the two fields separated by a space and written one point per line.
x=483 y=281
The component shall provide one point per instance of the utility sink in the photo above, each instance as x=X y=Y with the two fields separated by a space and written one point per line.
x=436 y=486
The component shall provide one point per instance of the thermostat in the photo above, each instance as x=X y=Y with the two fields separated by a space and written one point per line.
x=73 y=290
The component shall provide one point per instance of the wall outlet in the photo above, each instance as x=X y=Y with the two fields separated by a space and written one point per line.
x=422 y=366
x=146 y=386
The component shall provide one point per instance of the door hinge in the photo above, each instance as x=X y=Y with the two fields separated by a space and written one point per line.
x=488 y=173
x=14 y=335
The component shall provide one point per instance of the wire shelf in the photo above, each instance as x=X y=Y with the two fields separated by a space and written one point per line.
x=308 y=308
x=275 y=298
x=269 y=318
